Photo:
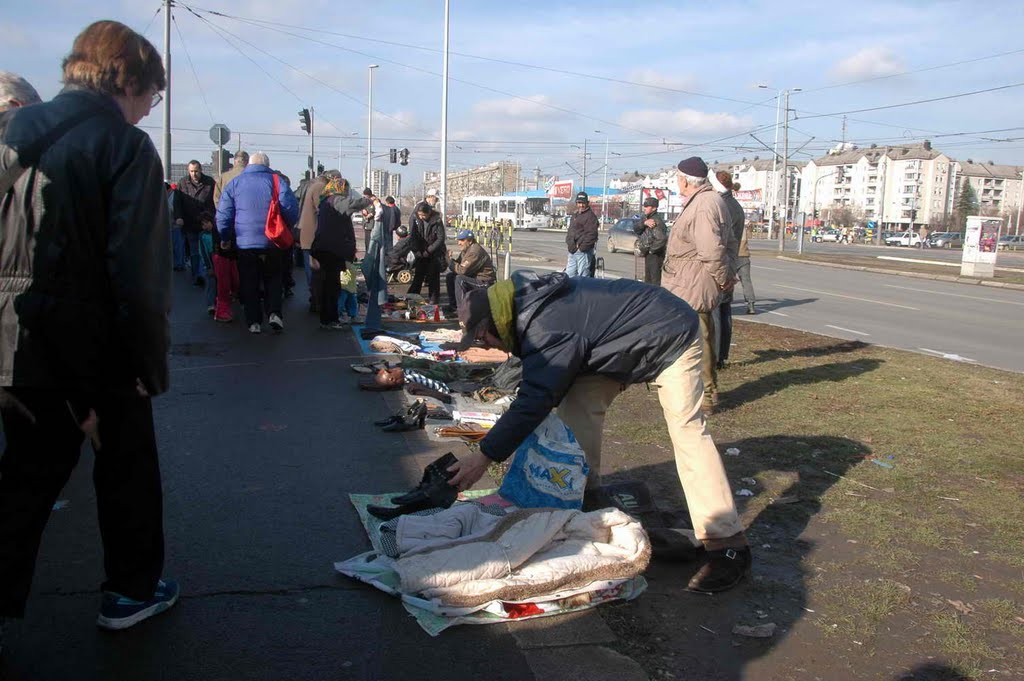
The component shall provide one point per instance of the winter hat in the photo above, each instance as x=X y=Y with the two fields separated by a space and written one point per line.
x=582 y=198
x=651 y=201
x=465 y=234
x=693 y=166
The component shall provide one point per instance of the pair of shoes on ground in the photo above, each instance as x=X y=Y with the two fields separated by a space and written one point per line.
x=120 y=612
x=276 y=323
x=432 y=492
x=413 y=418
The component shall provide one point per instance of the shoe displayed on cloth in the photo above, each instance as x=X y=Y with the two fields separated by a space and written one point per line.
x=416 y=419
x=724 y=570
x=402 y=414
x=433 y=492
x=255 y=328
x=120 y=612
x=434 y=471
x=750 y=309
x=335 y=326
x=276 y=323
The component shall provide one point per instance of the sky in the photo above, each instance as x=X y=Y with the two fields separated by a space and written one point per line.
x=534 y=82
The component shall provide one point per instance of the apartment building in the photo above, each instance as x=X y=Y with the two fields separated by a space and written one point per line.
x=998 y=187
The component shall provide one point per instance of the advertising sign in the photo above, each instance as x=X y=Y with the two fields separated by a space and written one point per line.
x=980 y=239
x=561 y=190
x=749 y=198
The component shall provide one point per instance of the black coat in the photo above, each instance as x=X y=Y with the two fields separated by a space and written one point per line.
x=335 y=233
x=85 y=262
x=196 y=199
x=651 y=244
x=429 y=238
x=583 y=231
x=567 y=327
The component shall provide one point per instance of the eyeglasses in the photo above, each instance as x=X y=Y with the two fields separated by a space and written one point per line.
x=157 y=98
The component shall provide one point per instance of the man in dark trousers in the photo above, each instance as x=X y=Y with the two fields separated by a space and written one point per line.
x=581 y=239
x=652 y=238
x=196 y=192
x=472 y=262
x=392 y=219
x=581 y=342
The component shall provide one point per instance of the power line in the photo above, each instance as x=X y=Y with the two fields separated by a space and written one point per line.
x=920 y=101
x=151 y=20
x=195 y=75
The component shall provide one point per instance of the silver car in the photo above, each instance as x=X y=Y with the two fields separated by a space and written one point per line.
x=621 y=236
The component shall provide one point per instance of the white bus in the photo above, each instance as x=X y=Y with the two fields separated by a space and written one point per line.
x=525 y=212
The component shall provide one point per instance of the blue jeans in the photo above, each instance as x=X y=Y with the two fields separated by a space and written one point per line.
x=579 y=264
x=211 y=287
x=309 y=270
x=177 y=248
x=195 y=261
x=347 y=304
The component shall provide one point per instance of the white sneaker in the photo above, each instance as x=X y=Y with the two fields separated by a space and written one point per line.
x=276 y=323
x=255 y=328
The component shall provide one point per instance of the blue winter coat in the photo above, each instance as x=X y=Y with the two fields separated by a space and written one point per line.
x=243 y=207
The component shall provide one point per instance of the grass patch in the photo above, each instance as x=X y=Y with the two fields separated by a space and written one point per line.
x=962 y=644
x=859 y=608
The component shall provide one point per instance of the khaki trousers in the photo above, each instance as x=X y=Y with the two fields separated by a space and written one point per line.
x=698 y=463
x=709 y=338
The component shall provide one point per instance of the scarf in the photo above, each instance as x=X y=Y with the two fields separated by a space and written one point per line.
x=500 y=296
x=335 y=185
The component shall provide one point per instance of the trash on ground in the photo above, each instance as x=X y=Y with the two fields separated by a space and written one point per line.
x=744 y=493
x=749 y=481
x=766 y=630
x=61 y=504
x=785 y=500
x=732 y=451
x=961 y=607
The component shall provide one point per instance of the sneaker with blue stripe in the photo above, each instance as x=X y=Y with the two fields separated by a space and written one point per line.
x=121 y=612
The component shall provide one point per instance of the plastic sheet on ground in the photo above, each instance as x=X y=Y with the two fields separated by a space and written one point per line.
x=373 y=568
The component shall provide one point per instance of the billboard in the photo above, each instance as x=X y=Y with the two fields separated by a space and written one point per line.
x=980 y=239
x=561 y=190
x=749 y=198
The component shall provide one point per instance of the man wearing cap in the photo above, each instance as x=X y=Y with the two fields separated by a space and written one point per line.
x=581 y=342
x=698 y=267
x=472 y=265
x=581 y=239
x=652 y=238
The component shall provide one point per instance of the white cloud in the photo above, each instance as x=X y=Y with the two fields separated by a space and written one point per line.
x=656 y=80
x=522 y=118
x=870 y=62
x=684 y=121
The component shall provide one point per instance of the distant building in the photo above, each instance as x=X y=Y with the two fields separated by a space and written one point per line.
x=493 y=179
x=394 y=185
x=998 y=187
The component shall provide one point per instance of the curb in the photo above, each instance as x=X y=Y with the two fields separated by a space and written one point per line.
x=914 y=275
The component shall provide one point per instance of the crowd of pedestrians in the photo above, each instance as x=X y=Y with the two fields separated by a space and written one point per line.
x=95 y=251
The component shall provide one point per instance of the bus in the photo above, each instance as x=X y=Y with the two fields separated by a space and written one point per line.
x=525 y=212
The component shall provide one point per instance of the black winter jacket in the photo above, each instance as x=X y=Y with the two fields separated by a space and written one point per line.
x=652 y=240
x=85 y=262
x=582 y=234
x=429 y=238
x=625 y=330
x=196 y=199
x=335 y=233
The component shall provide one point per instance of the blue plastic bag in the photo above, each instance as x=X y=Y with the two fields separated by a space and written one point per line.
x=549 y=470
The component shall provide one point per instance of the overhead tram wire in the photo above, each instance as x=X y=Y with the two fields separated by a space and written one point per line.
x=353 y=98
x=920 y=101
x=195 y=75
x=151 y=20
x=457 y=80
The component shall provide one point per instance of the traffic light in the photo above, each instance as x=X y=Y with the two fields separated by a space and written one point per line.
x=304 y=120
x=225 y=160
x=404 y=155
x=393 y=153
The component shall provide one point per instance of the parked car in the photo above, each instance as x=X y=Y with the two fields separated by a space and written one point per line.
x=621 y=236
x=828 y=235
x=946 y=240
x=1011 y=242
x=907 y=238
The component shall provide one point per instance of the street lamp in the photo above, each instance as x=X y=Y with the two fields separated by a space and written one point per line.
x=369 y=128
x=785 y=161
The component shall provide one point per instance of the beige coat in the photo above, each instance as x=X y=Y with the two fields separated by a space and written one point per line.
x=218 y=187
x=697 y=263
x=308 y=211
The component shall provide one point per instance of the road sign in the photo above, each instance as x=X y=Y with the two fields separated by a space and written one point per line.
x=219 y=134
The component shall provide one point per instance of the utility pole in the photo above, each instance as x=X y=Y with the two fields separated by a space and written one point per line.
x=444 y=118
x=881 y=202
x=312 y=156
x=584 y=187
x=785 y=176
x=536 y=178
x=844 y=131
x=774 y=200
x=604 y=192
x=369 y=130
x=167 y=92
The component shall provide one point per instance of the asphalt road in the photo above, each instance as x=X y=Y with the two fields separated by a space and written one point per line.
x=972 y=324
x=261 y=439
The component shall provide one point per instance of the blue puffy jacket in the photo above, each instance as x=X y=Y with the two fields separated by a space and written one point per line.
x=243 y=207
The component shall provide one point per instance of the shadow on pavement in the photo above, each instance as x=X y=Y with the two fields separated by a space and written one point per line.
x=778 y=588
x=932 y=672
x=773 y=383
x=773 y=304
x=834 y=349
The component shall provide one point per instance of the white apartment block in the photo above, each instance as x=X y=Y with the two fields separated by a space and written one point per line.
x=998 y=187
x=394 y=186
x=378 y=183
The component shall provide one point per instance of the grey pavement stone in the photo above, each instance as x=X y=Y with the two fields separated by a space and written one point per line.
x=582 y=628
x=583 y=663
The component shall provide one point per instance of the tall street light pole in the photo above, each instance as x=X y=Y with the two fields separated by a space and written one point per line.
x=785 y=171
x=584 y=164
x=604 y=191
x=444 y=118
x=369 y=128
x=774 y=200
x=167 y=92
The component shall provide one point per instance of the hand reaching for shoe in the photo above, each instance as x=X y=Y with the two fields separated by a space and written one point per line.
x=468 y=470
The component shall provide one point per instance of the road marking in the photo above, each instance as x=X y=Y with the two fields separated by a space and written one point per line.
x=839 y=328
x=948 y=355
x=770 y=269
x=840 y=295
x=777 y=313
x=955 y=295
x=916 y=260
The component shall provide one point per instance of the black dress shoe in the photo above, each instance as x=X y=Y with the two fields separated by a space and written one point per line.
x=436 y=470
x=724 y=570
x=436 y=494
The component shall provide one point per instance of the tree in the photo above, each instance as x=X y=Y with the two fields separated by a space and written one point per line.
x=966 y=204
